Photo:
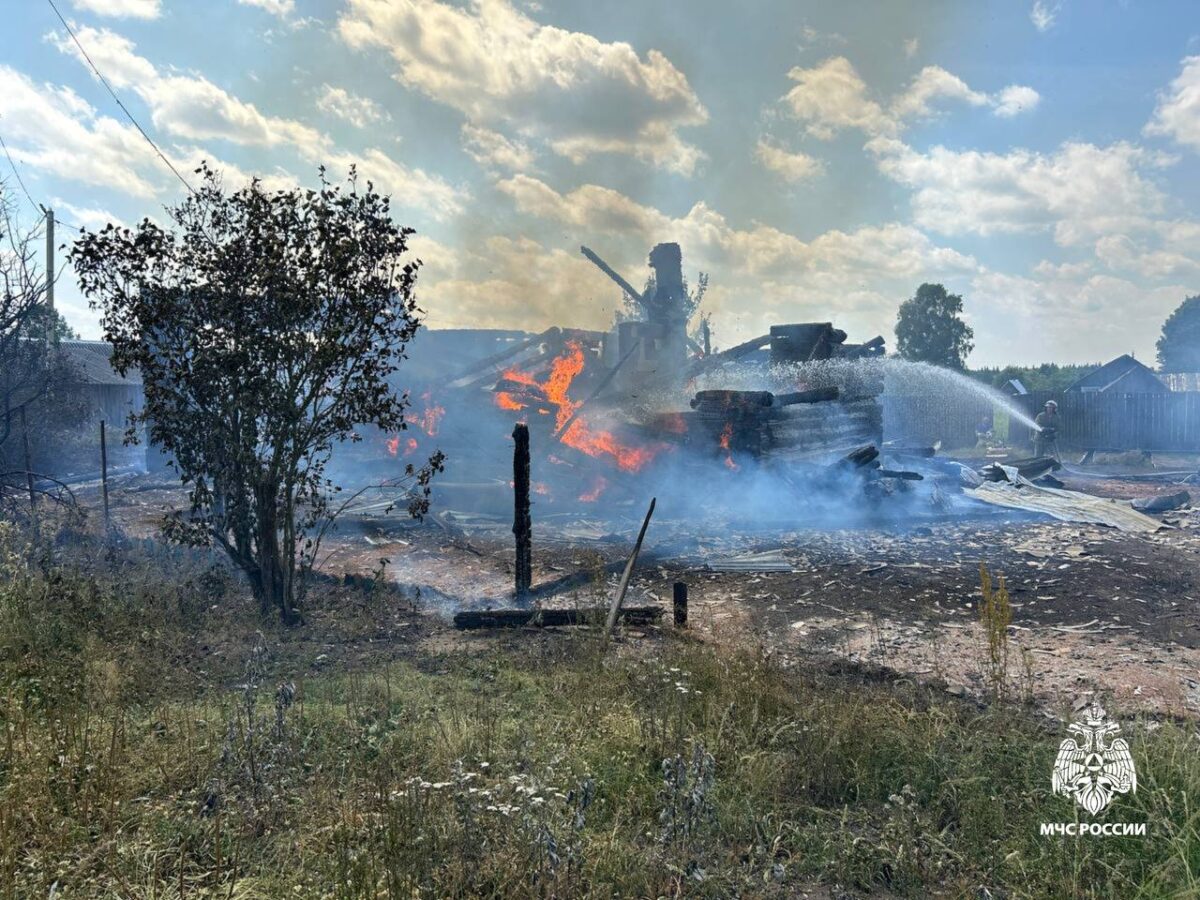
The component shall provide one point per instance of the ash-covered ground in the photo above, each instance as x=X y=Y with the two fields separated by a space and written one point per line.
x=1093 y=609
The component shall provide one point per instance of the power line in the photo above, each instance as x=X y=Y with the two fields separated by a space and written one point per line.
x=21 y=182
x=128 y=114
x=17 y=172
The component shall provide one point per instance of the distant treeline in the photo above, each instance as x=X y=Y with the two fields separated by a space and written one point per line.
x=1045 y=377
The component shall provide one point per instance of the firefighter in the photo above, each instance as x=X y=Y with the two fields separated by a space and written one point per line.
x=1046 y=441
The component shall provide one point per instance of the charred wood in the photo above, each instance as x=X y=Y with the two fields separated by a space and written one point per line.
x=553 y=618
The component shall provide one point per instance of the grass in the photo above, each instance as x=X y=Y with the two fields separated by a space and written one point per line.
x=134 y=765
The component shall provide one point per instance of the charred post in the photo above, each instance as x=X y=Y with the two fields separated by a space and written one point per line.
x=679 y=603
x=522 y=520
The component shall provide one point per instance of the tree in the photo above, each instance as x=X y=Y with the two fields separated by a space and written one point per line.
x=35 y=380
x=1179 y=345
x=929 y=328
x=266 y=327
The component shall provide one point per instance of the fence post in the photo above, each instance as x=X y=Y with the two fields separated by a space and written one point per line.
x=104 y=470
x=28 y=465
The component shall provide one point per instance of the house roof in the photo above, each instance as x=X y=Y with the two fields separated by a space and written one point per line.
x=1122 y=375
x=93 y=361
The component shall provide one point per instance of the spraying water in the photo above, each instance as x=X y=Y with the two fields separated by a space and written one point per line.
x=863 y=377
x=904 y=377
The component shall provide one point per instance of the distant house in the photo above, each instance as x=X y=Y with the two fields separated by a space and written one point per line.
x=1123 y=375
x=112 y=396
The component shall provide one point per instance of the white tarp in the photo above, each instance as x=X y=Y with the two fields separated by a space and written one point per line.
x=1068 y=506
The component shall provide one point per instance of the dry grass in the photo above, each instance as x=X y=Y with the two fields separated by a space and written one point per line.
x=530 y=767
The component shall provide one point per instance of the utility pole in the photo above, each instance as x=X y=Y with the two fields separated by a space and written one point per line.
x=50 y=260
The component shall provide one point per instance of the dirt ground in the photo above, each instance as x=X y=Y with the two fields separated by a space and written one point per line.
x=1094 y=610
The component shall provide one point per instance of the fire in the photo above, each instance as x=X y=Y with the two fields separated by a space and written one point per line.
x=410 y=446
x=726 y=437
x=601 y=443
x=431 y=418
x=592 y=494
x=393 y=444
x=578 y=433
x=562 y=372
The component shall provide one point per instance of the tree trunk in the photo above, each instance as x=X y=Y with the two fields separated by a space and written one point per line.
x=275 y=588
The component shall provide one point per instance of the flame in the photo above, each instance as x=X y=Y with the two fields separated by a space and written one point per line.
x=592 y=494
x=431 y=418
x=601 y=443
x=393 y=444
x=726 y=437
x=535 y=487
x=410 y=446
x=578 y=434
x=562 y=372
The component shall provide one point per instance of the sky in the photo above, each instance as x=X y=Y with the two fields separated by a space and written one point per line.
x=819 y=161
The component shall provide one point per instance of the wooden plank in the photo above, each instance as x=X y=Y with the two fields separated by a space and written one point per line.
x=551 y=618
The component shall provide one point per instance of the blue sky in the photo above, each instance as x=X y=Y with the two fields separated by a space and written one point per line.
x=818 y=160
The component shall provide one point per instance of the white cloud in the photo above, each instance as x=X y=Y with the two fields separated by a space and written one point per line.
x=497 y=66
x=1014 y=100
x=1043 y=14
x=790 y=166
x=832 y=97
x=492 y=149
x=1078 y=192
x=933 y=83
x=192 y=108
x=1177 y=115
x=1072 y=315
x=54 y=129
x=281 y=8
x=358 y=111
x=761 y=250
x=760 y=275
x=186 y=106
x=130 y=9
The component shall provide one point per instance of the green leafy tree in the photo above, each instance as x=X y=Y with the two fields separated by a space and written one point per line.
x=266 y=327
x=1179 y=345
x=929 y=328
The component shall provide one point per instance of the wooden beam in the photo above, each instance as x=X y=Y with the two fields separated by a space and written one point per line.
x=551 y=618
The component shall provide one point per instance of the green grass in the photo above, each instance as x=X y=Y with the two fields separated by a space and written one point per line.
x=534 y=765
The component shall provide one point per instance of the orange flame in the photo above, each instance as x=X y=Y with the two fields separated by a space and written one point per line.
x=393 y=444
x=726 y=437
x=593 y=493
x=431 y=418
x=578 y=434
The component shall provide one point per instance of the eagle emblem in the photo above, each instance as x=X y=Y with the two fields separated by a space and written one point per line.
x=1093 y=769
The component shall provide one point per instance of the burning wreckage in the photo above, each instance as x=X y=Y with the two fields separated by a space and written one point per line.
x=788 y=424
x=780 y=432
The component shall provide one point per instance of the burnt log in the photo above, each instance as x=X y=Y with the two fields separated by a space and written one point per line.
x=900 y=474
x=553 y=618
x=815 y=395
x=1163 y=503
x=859 y=457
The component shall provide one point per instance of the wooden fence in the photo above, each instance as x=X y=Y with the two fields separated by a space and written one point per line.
x=928 y=419
x=1154 y=423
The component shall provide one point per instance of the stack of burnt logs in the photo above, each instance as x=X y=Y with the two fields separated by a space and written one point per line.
x=800 y=425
